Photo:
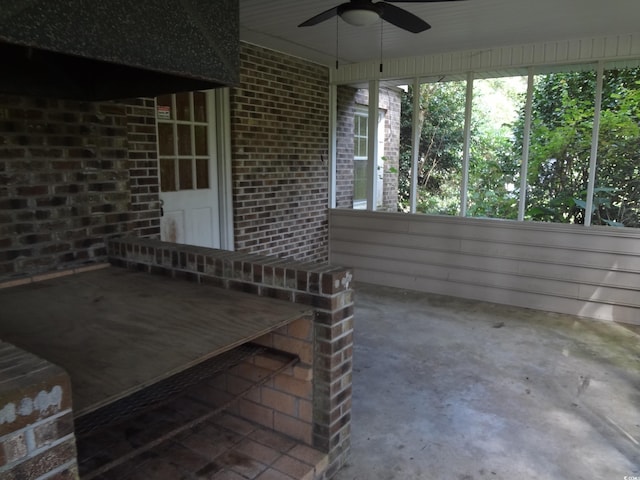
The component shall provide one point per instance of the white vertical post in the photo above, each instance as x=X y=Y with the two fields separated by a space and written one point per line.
x=464 y=184
x=594 y=144
x=526 y=142
x=332 y=156
x=372 y=158
x=415 y=146
x=222 y=109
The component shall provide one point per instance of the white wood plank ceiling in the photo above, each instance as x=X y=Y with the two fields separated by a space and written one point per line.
x=456 y=26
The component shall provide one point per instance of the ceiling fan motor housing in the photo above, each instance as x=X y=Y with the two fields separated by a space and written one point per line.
x=360 y=13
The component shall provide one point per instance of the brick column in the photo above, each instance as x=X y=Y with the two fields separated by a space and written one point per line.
x=333 y=368
x=36 y=421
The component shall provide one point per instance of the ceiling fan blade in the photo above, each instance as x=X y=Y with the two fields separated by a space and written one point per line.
x=321 y=17
x=401 y=18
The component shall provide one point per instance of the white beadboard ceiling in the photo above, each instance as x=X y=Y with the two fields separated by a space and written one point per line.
x=456 y=26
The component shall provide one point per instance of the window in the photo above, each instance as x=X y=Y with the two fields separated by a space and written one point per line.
x=440 y=148
x=360 y=157
x=183 y=142
x=563 y=108
x=616 y=196
x=494 y=163
x=354 y=155
x=540 y=146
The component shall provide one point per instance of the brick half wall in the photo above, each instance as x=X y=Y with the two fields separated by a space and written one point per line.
x=316 y=395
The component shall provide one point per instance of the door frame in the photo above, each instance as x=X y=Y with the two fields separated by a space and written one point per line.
x=222 y=111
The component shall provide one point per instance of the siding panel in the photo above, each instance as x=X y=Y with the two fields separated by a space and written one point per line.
x=593 y=272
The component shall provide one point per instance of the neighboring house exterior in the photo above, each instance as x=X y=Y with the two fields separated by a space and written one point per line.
x=351 y=148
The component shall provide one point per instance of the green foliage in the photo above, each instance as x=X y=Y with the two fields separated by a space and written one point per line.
x=561 y=131
x=561 y=134
x=494 y=169
x=441 y=122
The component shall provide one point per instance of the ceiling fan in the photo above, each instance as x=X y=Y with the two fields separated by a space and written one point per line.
x=366 y=12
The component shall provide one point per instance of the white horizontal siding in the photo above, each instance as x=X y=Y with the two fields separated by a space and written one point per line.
x=592 y=271
x=586 y=50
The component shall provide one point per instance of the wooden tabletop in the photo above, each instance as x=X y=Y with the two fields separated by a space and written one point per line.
x=116 y=331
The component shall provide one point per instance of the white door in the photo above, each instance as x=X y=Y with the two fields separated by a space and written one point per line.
x=188 y=169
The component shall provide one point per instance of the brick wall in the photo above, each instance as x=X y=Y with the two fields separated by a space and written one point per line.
x=312 y=402
x=346 y=107
x=65 y=180
x=279 y=125
x=36 y=422
x=143 y=167
x=348 y=100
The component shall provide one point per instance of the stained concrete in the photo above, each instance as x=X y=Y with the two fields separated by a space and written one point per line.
x=445 y=388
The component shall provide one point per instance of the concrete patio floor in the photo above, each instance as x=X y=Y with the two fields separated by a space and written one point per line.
x=453 y=389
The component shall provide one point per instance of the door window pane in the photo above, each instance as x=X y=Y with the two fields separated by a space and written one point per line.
x=167 y=175
x=165 y=139
x=200 y=133
x=183 y=106
x=199 y=107
x=165 y=101
x=185 y=170
x=202 y=173
x=184 y=140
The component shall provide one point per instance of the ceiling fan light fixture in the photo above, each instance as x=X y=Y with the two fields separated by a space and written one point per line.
x=359 y=17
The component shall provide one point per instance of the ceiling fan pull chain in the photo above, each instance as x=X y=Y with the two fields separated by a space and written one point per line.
x=337 y=32
x=381 y=32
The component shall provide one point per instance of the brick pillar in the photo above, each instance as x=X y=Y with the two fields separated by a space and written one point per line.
x=333 y=368
x=36 y=421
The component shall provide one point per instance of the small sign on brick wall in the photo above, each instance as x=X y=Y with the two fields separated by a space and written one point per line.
x=163 y=112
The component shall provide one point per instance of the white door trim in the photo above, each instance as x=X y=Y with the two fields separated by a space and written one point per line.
x=222 y=111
